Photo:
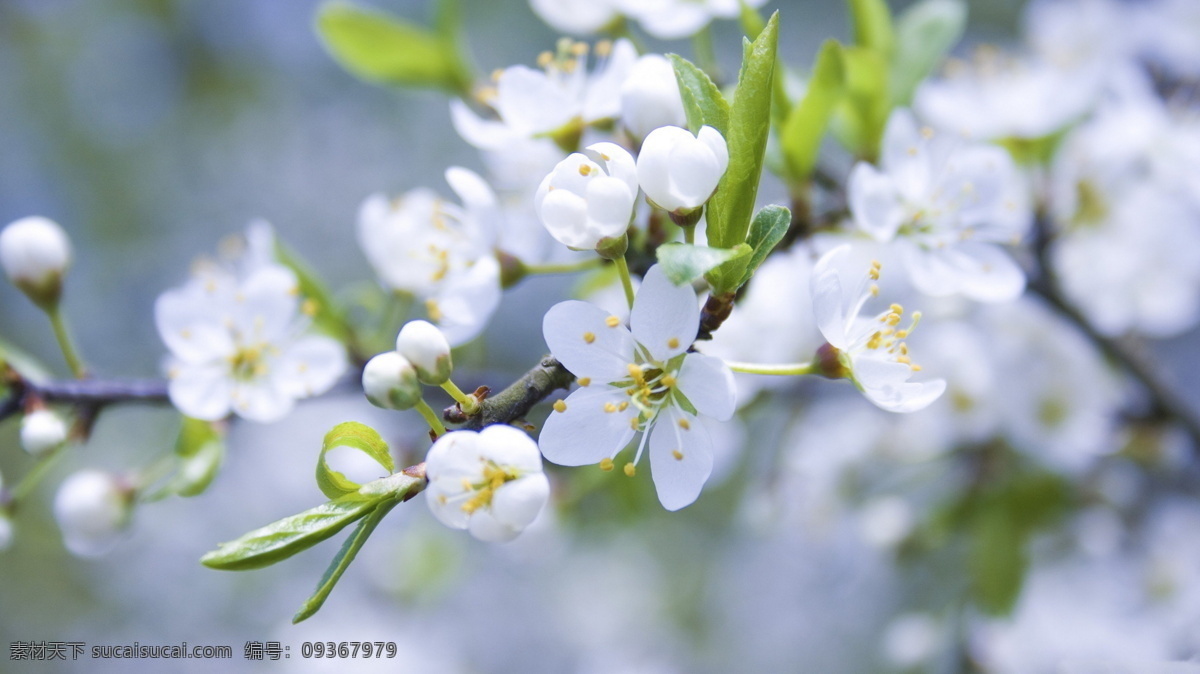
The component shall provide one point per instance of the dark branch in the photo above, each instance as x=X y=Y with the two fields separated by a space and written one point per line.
x=1165 y=404
x=514 y=402
x=89 y=393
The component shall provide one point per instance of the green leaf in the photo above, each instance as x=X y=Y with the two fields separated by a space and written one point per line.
x=806 y=124
x=384 y=49
x=863 y=112
x=358 y=436
x=752 y=22
x=282 y=539
x=873 y=25
x=685 y=262
x=201 y=451
x=997 y=561
x=702 y=100
x=342 y=560
x=925 y=33
x=729 y=211
x=766 y=231
x=326 y=314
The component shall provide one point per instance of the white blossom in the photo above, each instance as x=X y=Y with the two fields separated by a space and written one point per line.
x=871 y=350
x=438 y=251
x=577 y=17
x=427 y=349
x=490 y=482
x=92 y=508
x=35 y=253
x=557 y=100
x=650 y=97
x=41 y=431
x=390 y=382
x=678 y=170
x=238 y=344
x=674 y=19
x=638 y=379
x=589 y=197
x=949 y=205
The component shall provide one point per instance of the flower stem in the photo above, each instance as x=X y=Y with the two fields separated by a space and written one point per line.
x=70 y=353
x=34 y=477
x=788 y=369
x=626 y=281
x=565 y=268
x=689 y=234
x=431 y=418
x=469 y=404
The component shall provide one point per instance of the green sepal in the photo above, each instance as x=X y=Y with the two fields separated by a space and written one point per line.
x=358 y=436
x=685 y=262
x=702 y=100
x=282 y=539
x=806 y=123
x=925 y=33
x=729 y=211
x=384 y=49
x=766 y=231
x=342 y=560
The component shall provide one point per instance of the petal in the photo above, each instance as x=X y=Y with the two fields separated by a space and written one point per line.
x=680 y=459
x=695 y=172
x=532 y=103
x=466 y=301
x=565 y=216
x=610 y=207
x=616 y=162
x=310 y=366
x=190 y=326
x=485 y=527
x=202 y=391
x=517 y=503
x=907 y=397
x=827 y=297
x=472 y=190
x=980 y=271
x=455 y=455
x=874 y=202
x=486 y=134
x=715 y=142
x=581 y=338
x=584 y=432
x=654 y=164
x=262 y=400
x=266 y=303
x=708 y=384
x=603 y=98
x=446 y=506
x=510 y=447
x=665 y=317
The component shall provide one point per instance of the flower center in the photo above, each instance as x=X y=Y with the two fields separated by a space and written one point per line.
x=250 y=362
x=494 y=477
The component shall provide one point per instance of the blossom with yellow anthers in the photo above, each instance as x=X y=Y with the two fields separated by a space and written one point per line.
x=651 y=385
x=875 y=358
x=490 y=482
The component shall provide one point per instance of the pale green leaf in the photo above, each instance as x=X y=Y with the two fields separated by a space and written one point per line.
x=685 y=262
x=806 y=123
x=766 y=231
x=342 y=560
x=873 y=25
x=357 y=436
x=702 y=100
x=925 y=33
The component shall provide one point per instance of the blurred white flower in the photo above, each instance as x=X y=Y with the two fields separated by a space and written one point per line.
x=490 y=482
x=390 y=382
x=674 y=19
x=577 y=17
x=35 y=253
x=650 y=97
x=1074 y=32
x=427 y=349
x=237 y=344
x=871 y=350
x=912 y=639
x=885 y=521
x=997 y=96
x=438 y=251
x=92 y=508
x=556 y=101
x=589 y=197
x=41 y=431
x=635 y=379
x=947 y=204
x=1166 y=31
x=679 y=171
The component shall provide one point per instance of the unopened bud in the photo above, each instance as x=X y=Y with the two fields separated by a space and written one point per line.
x=42 y=431
x=35 y=253
x=427 y=349
x=92 y=508
x=390 y=382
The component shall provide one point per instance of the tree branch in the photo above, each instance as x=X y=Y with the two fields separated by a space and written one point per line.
x=89 y=393
x=1165 y=403
x=514 y=402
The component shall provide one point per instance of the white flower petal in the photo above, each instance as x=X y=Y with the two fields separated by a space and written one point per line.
x=466 y=301
x=695 y=173
x=188 y=327
x=827 y=297
x=531 y=103
x=610 y=207
x=665 y=317
x=446 y=505
x=485 y=134
x=310 y=366
x=708 y=384
x=510 y=447
x=517 y=504
x=874 y=202
x=680 y=459
x=980 y=271
x=584 y=433
x=580 y=337
x=201 y=391
x=907 y=397
x=485 y=527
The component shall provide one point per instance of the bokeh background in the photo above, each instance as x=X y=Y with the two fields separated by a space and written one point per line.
x=150 y=129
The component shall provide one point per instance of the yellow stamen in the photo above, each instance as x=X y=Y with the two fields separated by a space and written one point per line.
x=668 y=381
x=584 y=381
x=560 y=406
x=673 y=343
x=610 y=408
x=677 y=454
x=685 y=425
x=584 y=169
x=630 y=469
x=612 y=321
x=589 y=337
x=606 y=464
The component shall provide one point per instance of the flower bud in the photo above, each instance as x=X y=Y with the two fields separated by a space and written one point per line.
x=589 y=196
x=427 y=349
x=679 y=171
x=390 y=382
x=35 y=253
x=42 y=431
x=650 y=97
x=92 y=508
